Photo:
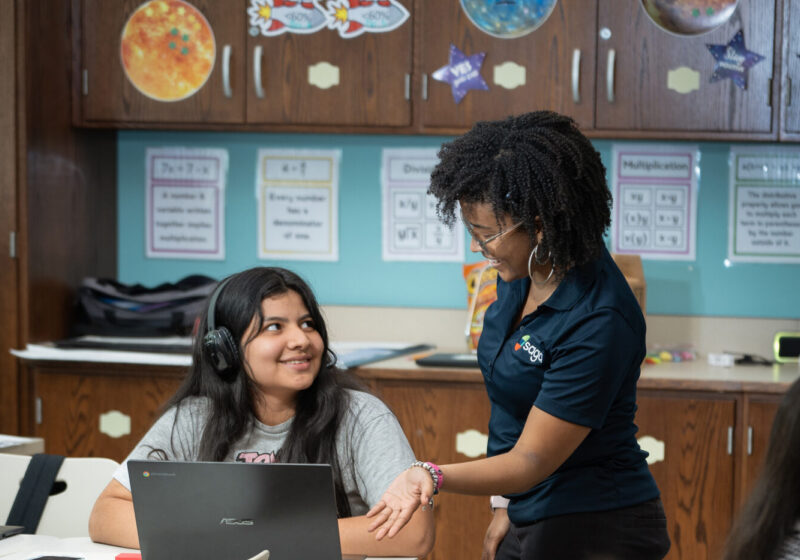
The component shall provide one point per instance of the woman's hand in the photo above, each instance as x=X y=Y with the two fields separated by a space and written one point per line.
x=495 y=533
x=411 y=489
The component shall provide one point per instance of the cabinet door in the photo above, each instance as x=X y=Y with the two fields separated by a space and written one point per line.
x=760 y=414
x=90 y=415
x=651 y=79
x=322 y=78
x=446 y=423
x=108 y=95
x=692 y=461
x=790 y=91
x=557 y=58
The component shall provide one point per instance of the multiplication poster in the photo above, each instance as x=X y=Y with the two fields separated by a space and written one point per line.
x=655 y=200
x=298 y=204
x=185 y=202
x=764 y=198
x=412 y=230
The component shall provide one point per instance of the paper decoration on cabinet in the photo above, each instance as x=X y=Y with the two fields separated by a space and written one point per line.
x=507 y=19
x=683 y=79
x=463 y=73
x=764 y=204
x=733 y=61
x=167 y=49
x=655 y=200
x=323 y=75
x=185 y=202
x=509 y=75
x=689 y=17
x=412 y=230
x=274 y=17
x=298 y=204
x=354 y=17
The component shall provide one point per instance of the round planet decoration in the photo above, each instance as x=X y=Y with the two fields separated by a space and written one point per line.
x=507 y=19
x=167 y=49
x=689 y=17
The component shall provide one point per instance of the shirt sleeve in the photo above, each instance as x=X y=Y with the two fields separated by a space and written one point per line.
x=588 y=367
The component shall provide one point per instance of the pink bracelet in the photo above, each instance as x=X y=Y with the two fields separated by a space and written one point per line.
x=436 y=473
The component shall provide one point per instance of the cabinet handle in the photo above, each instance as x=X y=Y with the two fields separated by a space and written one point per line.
x=730 y=440
x=749 y=440
x=85 y=82
x=576 y=76
x=788 y=92
x=407 y=88
x=424 y=87
x=226 y=71
x=612 y=55
x=257 y=51
x=38 y=410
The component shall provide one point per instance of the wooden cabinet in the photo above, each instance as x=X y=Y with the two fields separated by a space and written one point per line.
x=324 y=79
x=790 y=80
x=754 y=438
x=107 y=95
x=649 y=79
x=550 y=68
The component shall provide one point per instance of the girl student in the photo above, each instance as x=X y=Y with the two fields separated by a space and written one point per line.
x=263 y=387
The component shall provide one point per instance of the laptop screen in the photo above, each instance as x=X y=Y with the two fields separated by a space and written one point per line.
x=236 y=511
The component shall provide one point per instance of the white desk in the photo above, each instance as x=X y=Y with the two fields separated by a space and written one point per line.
x=25 y=547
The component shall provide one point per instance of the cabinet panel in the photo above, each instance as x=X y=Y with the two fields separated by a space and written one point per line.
x=790 y=93
x=696 y=474
x=760 y=414
x=636 y=57
x=547 y=54
x=108 y=95
x=366 y=83
x=432 y=415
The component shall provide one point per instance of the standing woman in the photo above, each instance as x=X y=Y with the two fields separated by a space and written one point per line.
x=560 y=353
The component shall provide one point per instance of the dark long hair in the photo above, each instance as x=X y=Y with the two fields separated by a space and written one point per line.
x=231 y=396
x=773 y=506
x=538 y=168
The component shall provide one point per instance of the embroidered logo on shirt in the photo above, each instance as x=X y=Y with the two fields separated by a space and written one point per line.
x=536 y=356
x=255 y=457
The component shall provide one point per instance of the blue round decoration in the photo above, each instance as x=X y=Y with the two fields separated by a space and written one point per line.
x=507 y=19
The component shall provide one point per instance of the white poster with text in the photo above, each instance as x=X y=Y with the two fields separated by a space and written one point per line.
x=764 y=204
x=185 y=202
x=655 y=200
x=298 y=204
x=411 y=229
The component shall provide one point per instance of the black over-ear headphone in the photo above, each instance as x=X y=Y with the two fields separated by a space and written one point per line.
x=218 y=344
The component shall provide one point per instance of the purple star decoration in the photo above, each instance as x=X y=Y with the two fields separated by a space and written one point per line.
x=463 y=73
x=733 y=61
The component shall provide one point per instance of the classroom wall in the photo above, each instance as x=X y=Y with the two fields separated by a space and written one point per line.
x=705 y=287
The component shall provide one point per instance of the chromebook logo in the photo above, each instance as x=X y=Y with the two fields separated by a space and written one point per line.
x=534 y=353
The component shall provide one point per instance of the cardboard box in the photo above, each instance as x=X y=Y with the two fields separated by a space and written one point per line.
x=631 y=267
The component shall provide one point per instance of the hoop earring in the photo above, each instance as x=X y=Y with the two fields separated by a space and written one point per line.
x=534 y=255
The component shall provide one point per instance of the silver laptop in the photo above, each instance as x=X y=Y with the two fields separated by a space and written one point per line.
x=234 y=511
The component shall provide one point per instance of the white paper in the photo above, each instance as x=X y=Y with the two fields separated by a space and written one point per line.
x=411 y=229
x=655 y=200
x=43 y=352
x=764 y=204
x=185 y=202
x=298 y=204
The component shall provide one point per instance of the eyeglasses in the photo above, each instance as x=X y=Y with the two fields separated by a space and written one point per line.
x=483 y=243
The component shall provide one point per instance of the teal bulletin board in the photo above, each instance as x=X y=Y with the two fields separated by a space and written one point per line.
x=704 y=287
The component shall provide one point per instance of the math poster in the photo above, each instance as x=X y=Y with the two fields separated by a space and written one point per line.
x=411 y=229
x=185 y=203
x=655 y=200
x=298 y=204
x=764 y=204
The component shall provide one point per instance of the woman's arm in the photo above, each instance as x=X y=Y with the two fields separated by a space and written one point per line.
x=112 y=520
x=416 y=540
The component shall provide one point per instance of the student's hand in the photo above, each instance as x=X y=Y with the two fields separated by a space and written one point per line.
x=495 y=533
x=411 y=489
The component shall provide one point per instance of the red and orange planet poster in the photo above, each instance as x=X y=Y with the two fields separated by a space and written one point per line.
x=167 y=49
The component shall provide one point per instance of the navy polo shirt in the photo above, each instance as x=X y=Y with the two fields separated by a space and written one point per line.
x=577 y=358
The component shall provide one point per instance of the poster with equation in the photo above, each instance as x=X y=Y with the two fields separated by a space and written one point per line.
x=298 y=204
x=411 y=229
x=185 y=202
x=655 y=200
x=764 y=204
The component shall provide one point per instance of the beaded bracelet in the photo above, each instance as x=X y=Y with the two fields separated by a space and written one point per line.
x=436 y=473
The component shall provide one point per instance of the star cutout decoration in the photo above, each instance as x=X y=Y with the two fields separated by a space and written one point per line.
x=463 y=73
x=733 y=61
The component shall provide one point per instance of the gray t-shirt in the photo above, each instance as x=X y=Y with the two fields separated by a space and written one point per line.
x=371 y=447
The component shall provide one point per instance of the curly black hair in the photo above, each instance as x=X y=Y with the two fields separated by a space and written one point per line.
x=539 y=169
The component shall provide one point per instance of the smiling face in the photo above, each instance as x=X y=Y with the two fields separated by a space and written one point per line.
x=508 y=253
x=285 y=357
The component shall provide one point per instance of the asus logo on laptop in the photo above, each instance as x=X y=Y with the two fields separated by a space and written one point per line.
x=234 y=521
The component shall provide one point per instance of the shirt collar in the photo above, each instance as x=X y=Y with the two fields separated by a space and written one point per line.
x=574 y=285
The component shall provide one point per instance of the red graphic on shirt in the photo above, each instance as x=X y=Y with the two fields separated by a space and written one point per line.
x=255 y=457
